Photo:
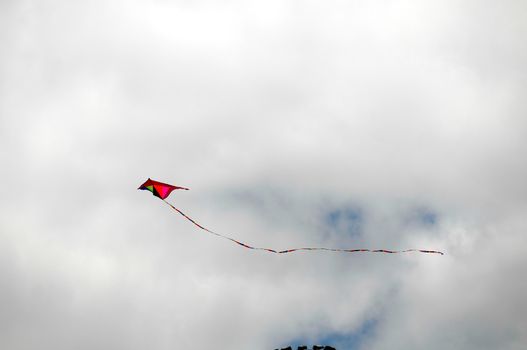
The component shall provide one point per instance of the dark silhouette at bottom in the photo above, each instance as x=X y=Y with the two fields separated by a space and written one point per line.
x=315 y=347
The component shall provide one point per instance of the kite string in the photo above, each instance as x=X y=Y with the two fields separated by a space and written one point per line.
x=299 y=249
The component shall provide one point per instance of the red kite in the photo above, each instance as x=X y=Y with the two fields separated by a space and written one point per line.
x=163 y=190
x=159 y=189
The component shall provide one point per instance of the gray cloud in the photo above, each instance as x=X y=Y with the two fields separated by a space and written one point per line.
x=277 y=115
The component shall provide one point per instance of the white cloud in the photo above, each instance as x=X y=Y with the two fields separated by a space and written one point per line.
x=275 y=114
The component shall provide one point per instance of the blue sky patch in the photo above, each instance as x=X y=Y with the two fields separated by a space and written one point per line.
x=423 y=217
x=341 y=341
x=346 y=220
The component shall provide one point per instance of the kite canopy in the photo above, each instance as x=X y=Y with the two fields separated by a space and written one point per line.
x=159 y=189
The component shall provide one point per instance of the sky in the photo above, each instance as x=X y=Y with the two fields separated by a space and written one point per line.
x=348 y=124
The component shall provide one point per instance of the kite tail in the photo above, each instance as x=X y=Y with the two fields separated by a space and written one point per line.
x=364 y=250
x=215 y=233
x=300 y=249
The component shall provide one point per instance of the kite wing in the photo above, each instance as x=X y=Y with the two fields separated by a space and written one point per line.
x=159 y=189
x=162 y=191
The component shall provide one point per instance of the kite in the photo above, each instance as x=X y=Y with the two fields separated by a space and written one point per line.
x=163 y=190
x=159 y=189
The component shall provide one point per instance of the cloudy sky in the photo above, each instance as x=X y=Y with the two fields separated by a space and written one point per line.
x=377 y=124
